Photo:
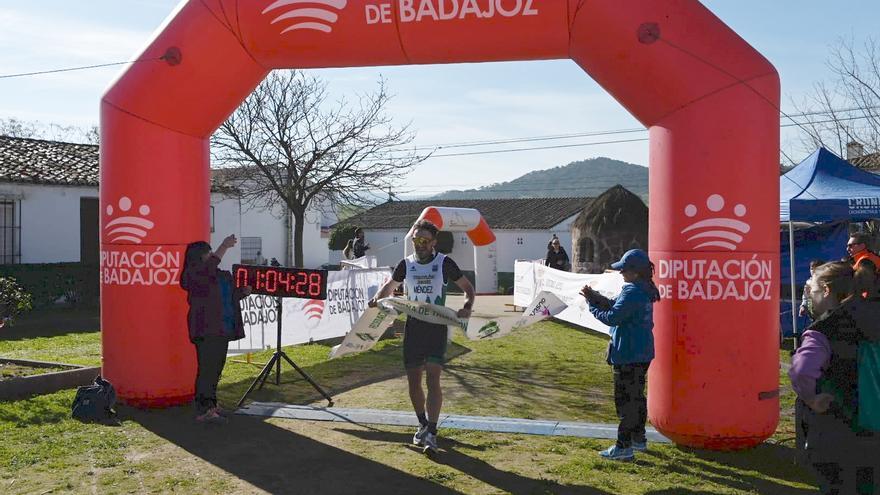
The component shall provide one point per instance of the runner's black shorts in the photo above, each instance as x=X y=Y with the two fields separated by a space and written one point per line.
x=423 y=343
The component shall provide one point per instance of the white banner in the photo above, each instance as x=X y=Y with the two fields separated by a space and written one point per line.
x=307 y=320
x=362 y=262
x=542 y=307
x=531 y=278
x=375 y=321
x=366 y=332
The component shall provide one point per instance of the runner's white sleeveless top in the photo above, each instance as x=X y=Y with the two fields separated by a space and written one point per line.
x=424 y=283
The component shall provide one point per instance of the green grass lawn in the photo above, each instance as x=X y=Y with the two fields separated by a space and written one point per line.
x=549 y=371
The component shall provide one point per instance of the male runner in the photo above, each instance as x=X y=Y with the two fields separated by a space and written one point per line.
x=426 y=274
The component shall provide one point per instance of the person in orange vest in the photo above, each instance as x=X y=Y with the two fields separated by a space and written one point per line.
x=857 y=247
x=865 y=262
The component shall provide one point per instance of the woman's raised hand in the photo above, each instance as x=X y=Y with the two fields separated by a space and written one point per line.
x=229 y=241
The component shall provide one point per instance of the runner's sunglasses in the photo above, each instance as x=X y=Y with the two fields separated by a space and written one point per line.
x=421 y=241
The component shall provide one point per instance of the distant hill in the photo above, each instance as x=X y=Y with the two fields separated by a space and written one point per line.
x=586 y=178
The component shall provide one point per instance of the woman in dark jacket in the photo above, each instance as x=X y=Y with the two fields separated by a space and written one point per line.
x=836 y=375
x=213 y=320
x=556 y=256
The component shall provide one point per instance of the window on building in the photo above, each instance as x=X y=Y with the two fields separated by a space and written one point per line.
x=464 y=239
x=250 y=246
x=519 y=241
x=395 y=240
x=10 y=231
x=586 y=251
x=212 y=219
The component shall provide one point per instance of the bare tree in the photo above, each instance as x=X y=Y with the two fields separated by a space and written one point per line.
x=17 y=128
x=847 y=108
x=288 y=145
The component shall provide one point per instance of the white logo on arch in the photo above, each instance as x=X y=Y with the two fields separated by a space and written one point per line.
x=715 y=228
x=128 y=228
x=318 y=15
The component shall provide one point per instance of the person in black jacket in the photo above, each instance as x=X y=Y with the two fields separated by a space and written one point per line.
x=557 y=257
x=214 y=319
x=359 y=244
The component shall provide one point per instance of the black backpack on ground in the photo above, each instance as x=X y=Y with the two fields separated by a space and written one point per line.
x=95 y=402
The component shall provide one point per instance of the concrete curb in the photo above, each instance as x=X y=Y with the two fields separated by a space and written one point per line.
x=480 y=423
x=47 y=383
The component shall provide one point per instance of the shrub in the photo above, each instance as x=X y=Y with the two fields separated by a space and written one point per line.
x=76 y=283
x=13 y=300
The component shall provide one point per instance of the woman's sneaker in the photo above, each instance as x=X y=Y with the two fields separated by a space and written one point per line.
x=615 y=453
x=419 y=437
x=220 y=411
x=210 y=417
x=430 y=443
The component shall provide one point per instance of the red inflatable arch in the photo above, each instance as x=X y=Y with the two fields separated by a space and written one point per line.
x=709 y=99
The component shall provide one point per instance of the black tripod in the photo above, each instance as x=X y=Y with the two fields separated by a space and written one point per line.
x=276 y=360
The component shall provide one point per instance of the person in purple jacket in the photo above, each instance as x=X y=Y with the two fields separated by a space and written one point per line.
x=214 y=318
x=830 y=374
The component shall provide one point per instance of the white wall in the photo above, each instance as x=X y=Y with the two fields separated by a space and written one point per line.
x=50 y=225
x=316 y=252
x=269 y=225
x=227 y=220
x=49 y=220
x=50 y=230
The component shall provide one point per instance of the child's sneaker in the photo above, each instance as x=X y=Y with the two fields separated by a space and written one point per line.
x=615 y=453
x=640 y=446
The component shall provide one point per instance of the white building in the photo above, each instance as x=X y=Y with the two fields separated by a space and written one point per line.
x=49 y=210
x=522 y=227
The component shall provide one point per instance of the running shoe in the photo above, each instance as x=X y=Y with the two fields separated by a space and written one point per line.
x=419 y=437
x=430 y=443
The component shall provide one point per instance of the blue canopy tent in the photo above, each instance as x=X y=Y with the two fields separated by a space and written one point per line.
x=826 y=242
x=825 y=188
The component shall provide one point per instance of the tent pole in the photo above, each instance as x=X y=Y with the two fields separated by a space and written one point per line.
x=794 y=329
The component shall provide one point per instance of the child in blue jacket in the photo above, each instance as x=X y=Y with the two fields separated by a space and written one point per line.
x=631 y=318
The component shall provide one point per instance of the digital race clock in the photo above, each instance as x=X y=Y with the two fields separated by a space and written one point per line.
x=280 y=281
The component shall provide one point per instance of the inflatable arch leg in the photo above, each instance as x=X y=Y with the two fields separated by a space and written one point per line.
x=709 y=100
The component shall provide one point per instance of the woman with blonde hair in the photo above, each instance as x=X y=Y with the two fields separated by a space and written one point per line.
x=836 y=375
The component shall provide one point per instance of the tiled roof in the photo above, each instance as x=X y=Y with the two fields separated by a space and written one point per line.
x=506 y=214
x=48 y=162
x=869 y=162
x=36 y=161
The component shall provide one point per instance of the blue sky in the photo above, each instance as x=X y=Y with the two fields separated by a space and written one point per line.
x=444 y=104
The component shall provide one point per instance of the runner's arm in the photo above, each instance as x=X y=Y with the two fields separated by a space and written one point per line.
x=390 y=286
x=465 y=285
x=451 y=272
